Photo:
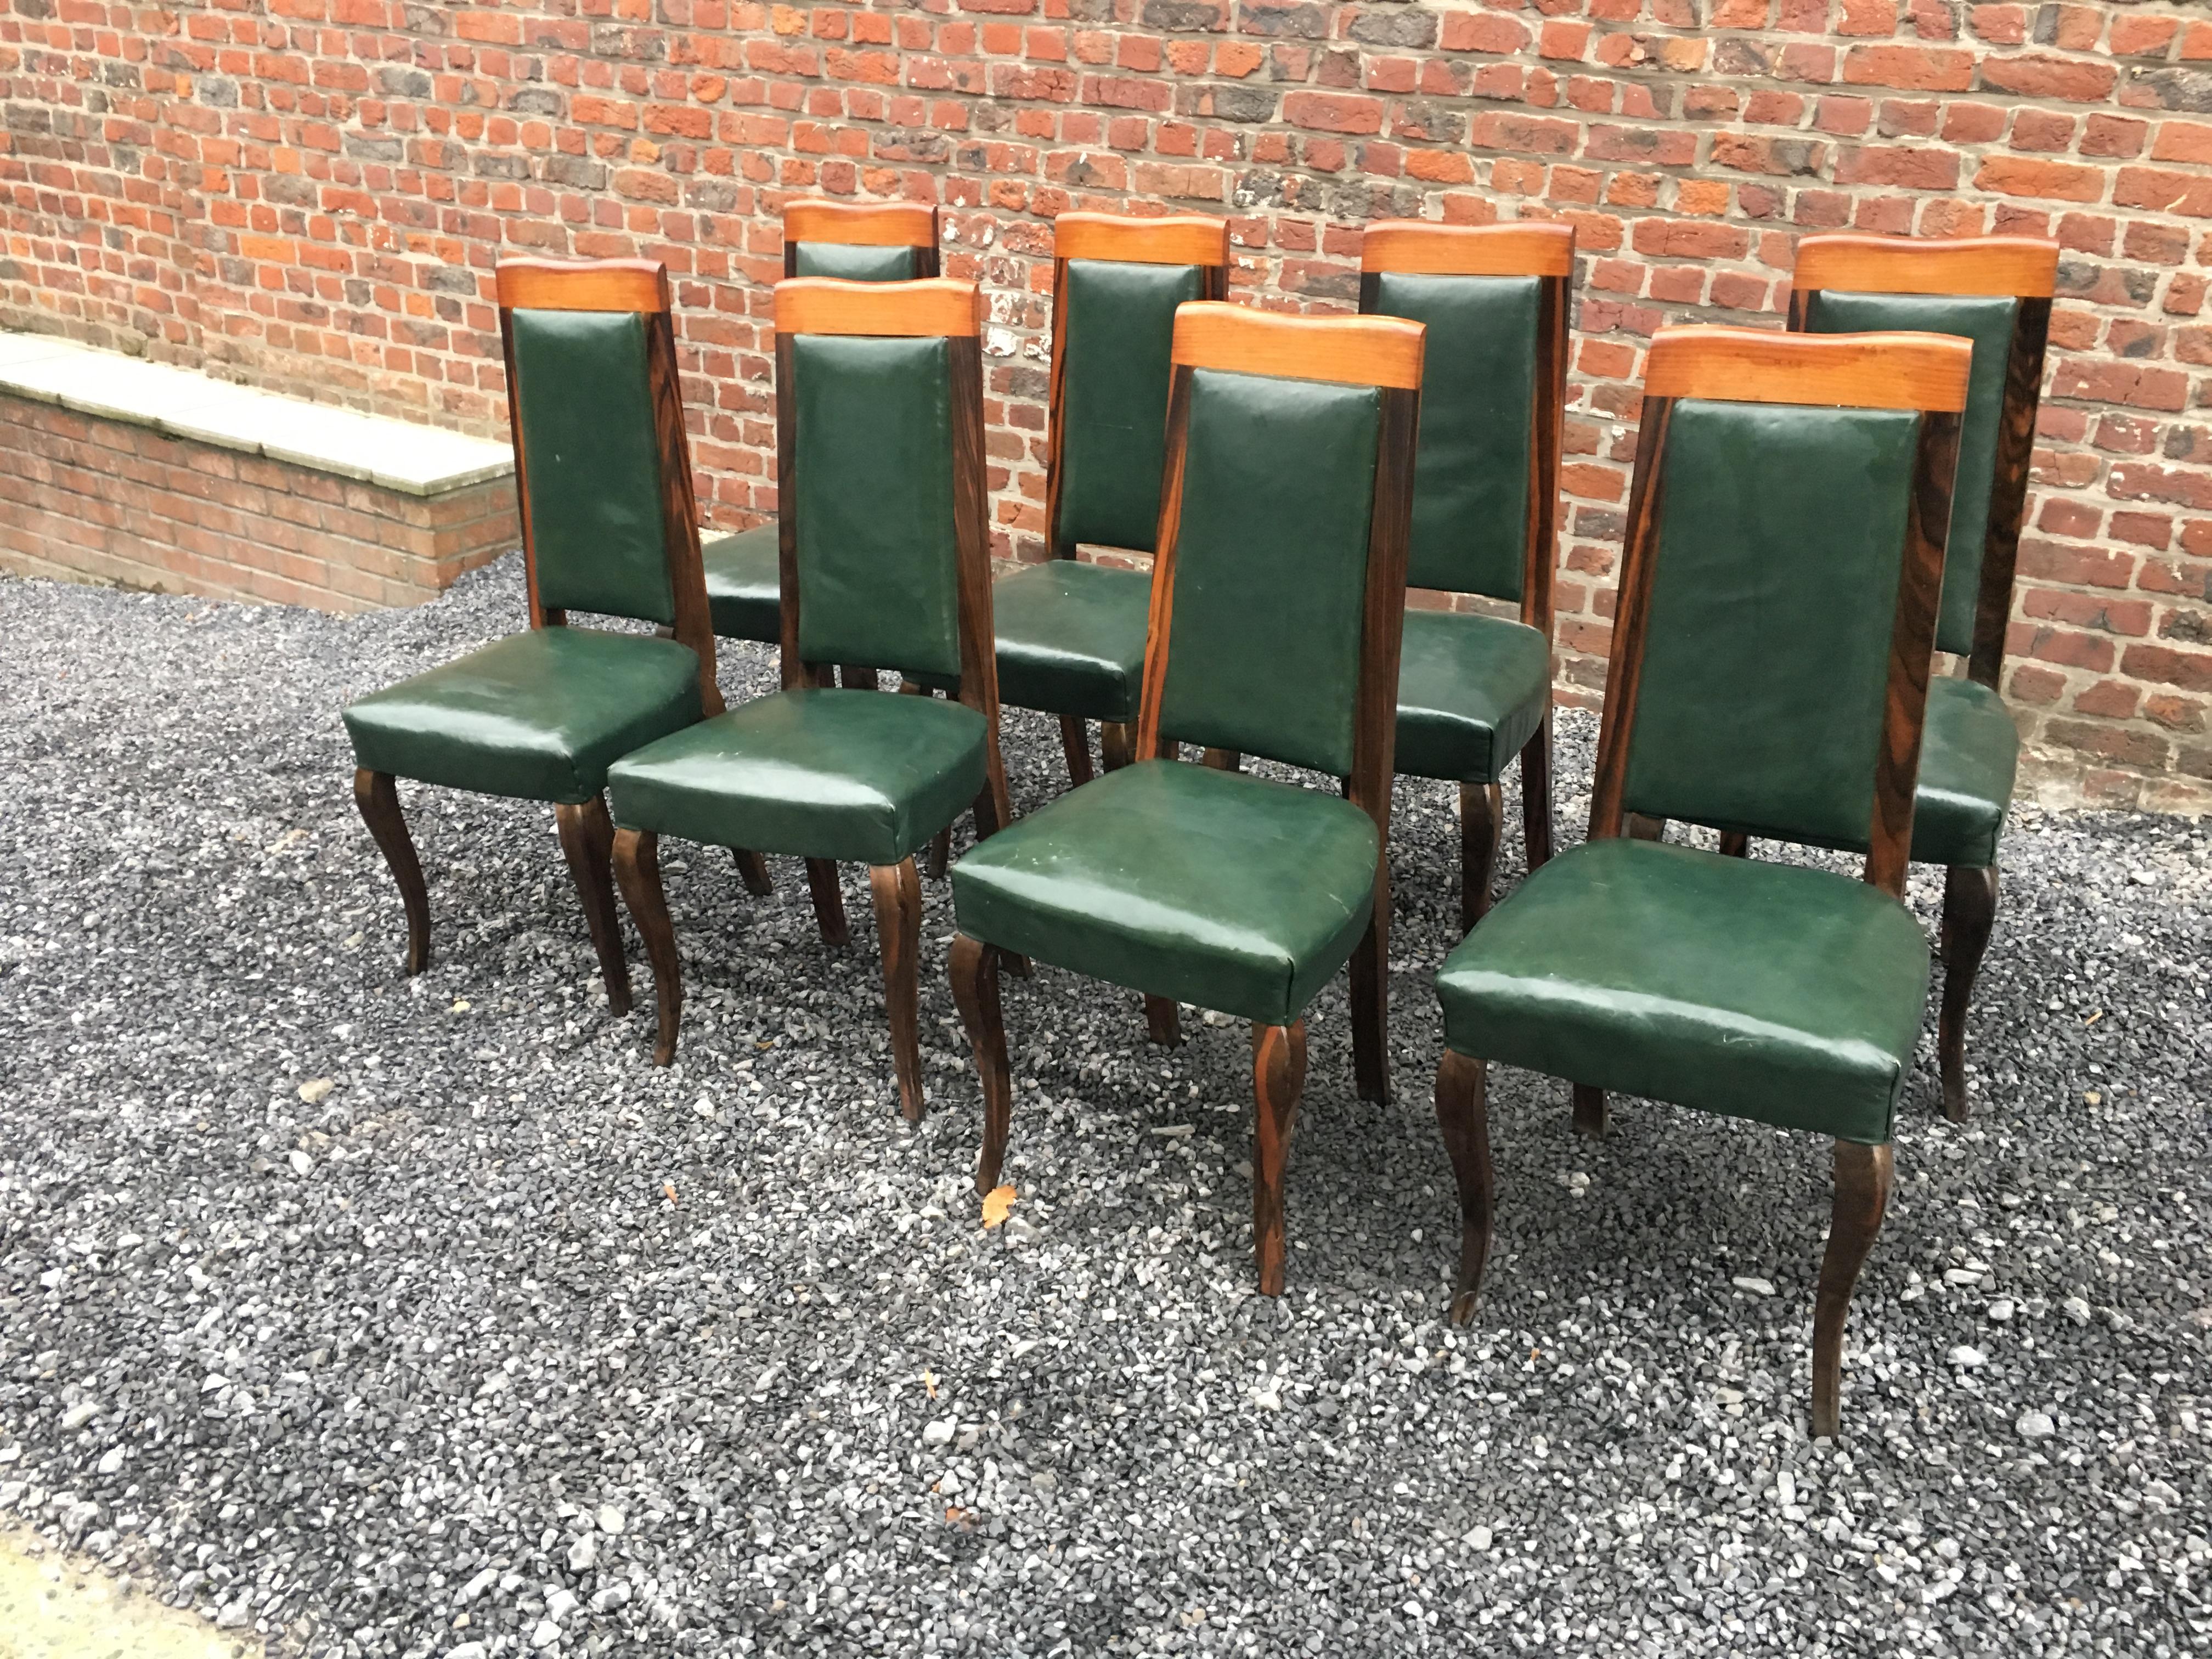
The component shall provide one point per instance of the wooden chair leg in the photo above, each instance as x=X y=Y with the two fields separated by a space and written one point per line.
x=1592 y=1117
x=897 y=890
x=1463 y=1115
x=940 y=852
x=1221 y=759
x=853 y=677
x=587 y=839
x=637 y=866
x=1116 y=739
x=974 y=974
x=1481 y=826
x=1164 y=1020
x=1278 y=1079
x=1734 y=844
x=1536 y=795
x=1643 y=829
x=1075 y=745
x=1370 y=1000
x=1863 y=1175
x=829 y=901
x=377 y=798
x=752 y=870
x=1970 y=910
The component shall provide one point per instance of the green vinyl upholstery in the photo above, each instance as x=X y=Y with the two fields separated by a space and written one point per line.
x=849 y=775
x=1471 y=465
x=1472 y=690
x=591 y=463
x=1969 y=752
x=856 y=264
x=744 y=590
x=1772 y=992
x=1072 y=638
x=1271 y=568
x=1774 y=595
x=1119 y=322
x=1988 y=321
x=1231 y=892
x=539 y=715
x=879 y=557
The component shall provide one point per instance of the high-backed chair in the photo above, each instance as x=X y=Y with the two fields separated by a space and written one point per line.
x=610 y=524
x=1768 y=674
x=1474 y=690
x=1995 y=291
x=1278 y=594
x=878 y=393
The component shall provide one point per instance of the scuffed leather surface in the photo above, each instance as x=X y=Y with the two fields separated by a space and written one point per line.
x=744 y=584
x=594 y=463
x=1767 y=991
x=878 y=555
x=1221 y=889
x=539 y=715
x=1766 y=656
x=1271 y=568
x=1969 y=752
x=1072 y=638
x=1478 y=394
x=1120 y=323
x=860 y=776
x=1471 y=690
x=1988 y=320
x=856 y=264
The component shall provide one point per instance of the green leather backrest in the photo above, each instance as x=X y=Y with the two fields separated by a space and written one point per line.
x=858 y=263
x=1271 y=568
x=1767 y=648
x=1117 y=330
x=878 y=560
x=592 y=463
x=1987 y=321
x=1478 y=401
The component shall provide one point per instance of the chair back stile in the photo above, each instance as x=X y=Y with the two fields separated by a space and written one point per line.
x=860 y=241
x=609 y=511
x=1847 y=444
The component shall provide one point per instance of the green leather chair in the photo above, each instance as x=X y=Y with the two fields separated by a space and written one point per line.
x=1768 y=674
x=1474 y=690
x=1278 y=597
x=609 y=525
x=878 y=394
x=1995 y=291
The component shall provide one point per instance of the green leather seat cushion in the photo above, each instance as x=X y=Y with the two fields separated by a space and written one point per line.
x=1471 y=690
x=1231 y=892
x=540 y=715
x=1969 y=752
x=1767 y=991
x=1072 y=638
x=744 y=587
x=861 y=776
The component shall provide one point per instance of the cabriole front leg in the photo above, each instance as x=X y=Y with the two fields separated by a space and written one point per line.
x=1970 y=910
x=1463 y=1116
x=897 y=890
x=377 y=798
x=1278 y=1079
x=637 y=866
x=588 y=838
x=975 y=993
x=1863 y=1175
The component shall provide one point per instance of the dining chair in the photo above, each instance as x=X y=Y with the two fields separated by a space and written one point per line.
x=1995 y=291
x=610 y=524
x=1475 y=690
x=1769 y=673
x=885 y=562
x=1278 y=594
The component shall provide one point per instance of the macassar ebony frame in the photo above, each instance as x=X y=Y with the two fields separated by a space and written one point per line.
x=1924 y=373
x=2024 y=269
x=1384 y=353
x=1546 y=252
x=639 y=287
x=862 y=224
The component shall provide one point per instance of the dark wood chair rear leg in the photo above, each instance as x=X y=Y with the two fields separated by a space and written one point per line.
x=1592 y=1117
x=637 y=866
x=1863 y=1175
x=1278 y=1079
x=1481 y=826
x=1536 y=795
x=974 y=974
x=829 y=901
x=1463 y=1115
x=587 y=838
x=1116 y=739
x=1371 y=1000
x=1075 y=745
x=897 y=890
x=853 y=677
x=1641 y=828
x=752 y=870
x=1970 y=908
x=1734 y=844
x=1221 y=759
x=377 y=798
x=1164 y=1020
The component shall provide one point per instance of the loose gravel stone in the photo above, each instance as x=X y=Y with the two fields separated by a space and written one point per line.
x=528 y=1282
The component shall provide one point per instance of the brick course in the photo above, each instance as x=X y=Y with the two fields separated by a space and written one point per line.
x=313 y=193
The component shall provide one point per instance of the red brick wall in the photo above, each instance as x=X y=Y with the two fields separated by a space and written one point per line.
x=315 y=190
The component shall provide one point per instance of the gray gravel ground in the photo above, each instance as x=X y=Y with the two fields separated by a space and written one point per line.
x=426 y=1318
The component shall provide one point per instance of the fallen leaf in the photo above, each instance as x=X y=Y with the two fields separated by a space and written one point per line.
x=929 y=1382
x=996 y=1203
x=669 y=1187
